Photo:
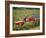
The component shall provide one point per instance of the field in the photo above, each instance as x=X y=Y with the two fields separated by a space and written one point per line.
x=26 y=18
